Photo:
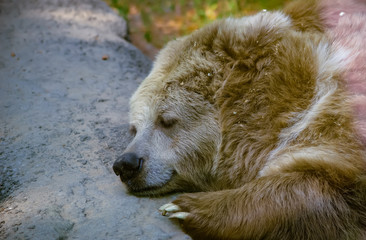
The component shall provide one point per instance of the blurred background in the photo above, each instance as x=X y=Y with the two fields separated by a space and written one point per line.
x=152 y=23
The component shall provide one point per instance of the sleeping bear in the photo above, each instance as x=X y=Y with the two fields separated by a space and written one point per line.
x=261 y=121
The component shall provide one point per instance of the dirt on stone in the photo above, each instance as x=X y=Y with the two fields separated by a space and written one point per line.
x=66 y=75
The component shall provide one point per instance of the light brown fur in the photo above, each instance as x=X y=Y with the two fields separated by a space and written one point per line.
x=254 y=115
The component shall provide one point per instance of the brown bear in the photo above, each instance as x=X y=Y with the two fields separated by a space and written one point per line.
x=253 y=117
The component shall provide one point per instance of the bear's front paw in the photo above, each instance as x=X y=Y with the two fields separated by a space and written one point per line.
x=173 y=211
x=197 y=213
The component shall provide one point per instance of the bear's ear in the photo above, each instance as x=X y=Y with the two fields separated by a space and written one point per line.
x=305 y=15
x=252 y=36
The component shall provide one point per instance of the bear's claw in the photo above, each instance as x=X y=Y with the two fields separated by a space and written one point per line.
x=179 y=215
x=173 y=211
x=169 y=208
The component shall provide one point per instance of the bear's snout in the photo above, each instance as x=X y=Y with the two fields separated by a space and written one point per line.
x=127 y=166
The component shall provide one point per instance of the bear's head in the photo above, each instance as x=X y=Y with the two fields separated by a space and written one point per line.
x=175 y=126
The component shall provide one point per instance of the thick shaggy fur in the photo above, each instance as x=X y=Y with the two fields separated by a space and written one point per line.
x=253 y=115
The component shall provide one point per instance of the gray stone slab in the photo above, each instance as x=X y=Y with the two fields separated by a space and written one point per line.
x=63 y=121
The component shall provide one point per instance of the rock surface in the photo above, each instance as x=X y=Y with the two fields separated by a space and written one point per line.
x=66 y=74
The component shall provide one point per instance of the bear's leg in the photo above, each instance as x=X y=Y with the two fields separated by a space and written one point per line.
x=287 y=206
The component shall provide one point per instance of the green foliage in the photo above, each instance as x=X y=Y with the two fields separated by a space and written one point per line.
x=184 y=16
x=120 y=6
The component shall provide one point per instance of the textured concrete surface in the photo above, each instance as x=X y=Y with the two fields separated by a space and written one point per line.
x=63 y=121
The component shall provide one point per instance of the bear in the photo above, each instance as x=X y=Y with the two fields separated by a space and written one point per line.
x=253 y=120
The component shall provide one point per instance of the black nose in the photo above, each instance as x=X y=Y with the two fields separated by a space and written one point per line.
x=127 y=166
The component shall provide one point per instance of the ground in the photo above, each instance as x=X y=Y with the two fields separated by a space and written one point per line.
x=66 y=74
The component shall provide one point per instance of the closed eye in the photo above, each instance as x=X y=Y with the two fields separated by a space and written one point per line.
x=133 y=130
x=167 y=122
